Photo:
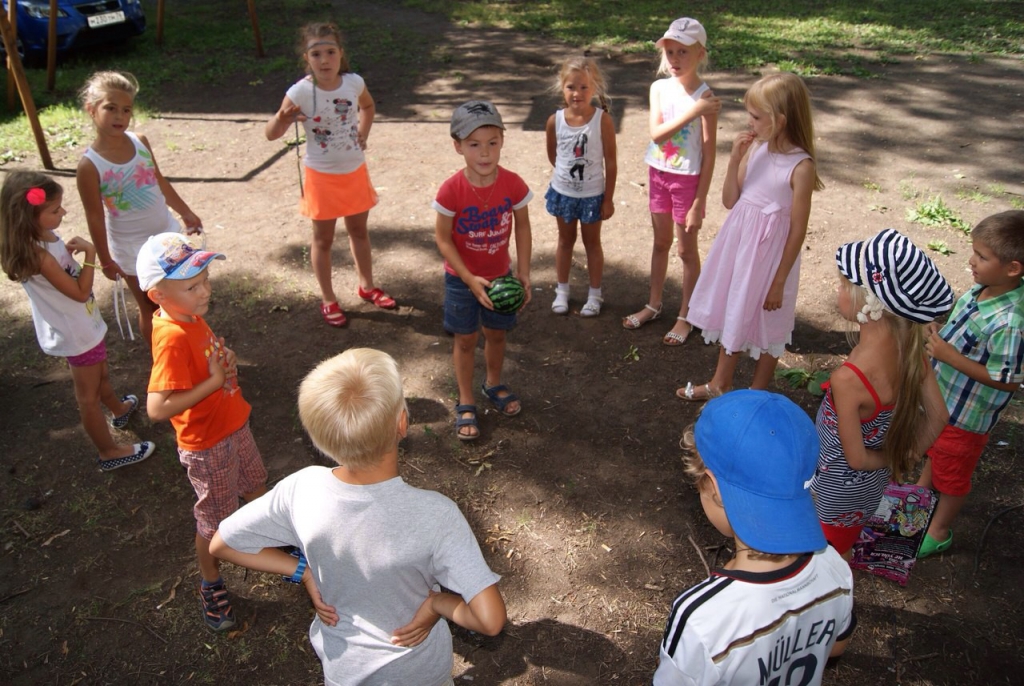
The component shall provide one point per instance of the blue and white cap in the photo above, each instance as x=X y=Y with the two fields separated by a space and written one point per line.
x=170 y=256
x=899 y=274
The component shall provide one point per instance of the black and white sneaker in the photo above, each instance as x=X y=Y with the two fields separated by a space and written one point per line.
x=122 y=421
x=142 y=451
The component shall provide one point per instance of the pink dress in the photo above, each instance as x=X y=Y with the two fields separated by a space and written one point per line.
x=728 y=300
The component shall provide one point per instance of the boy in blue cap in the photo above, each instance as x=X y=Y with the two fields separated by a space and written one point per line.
x=783 y=604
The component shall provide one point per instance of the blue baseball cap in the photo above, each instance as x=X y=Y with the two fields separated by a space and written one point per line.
x=763 y=450
x=170 y=256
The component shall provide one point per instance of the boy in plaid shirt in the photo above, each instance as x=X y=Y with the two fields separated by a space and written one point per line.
x=979 y=362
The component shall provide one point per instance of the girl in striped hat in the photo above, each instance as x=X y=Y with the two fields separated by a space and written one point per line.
x=870 y=424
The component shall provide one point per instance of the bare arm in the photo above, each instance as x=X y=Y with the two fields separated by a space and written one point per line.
x=87 y=178
x=161 y=405
x=737 y=170
x=611 y=165
x=803 y=185
x=944 y=352
x=661 y=130
x=80 y=289
x=286 y=115
x=850 y=397
x=552 y=142
x=935 y=412
x=443 y=237
x=174 y=200
x=485 y=613
x=367 y=111
x=524 y=248
x=709 y=134
x=275 y=561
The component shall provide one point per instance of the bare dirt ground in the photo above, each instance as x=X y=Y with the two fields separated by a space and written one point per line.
x=580 y=502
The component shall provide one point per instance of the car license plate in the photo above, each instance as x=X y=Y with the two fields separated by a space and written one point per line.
x=98 y=20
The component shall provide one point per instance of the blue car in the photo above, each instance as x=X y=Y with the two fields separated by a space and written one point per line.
x=80 y=23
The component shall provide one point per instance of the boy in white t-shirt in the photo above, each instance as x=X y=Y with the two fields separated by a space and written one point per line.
x=377 y=548
x=783 y=604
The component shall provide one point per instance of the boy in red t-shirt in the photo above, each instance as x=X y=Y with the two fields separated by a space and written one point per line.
x=478 y=209
x=194 y=384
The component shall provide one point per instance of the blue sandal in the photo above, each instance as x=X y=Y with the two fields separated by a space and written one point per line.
x=502 y=401
x=461 y=421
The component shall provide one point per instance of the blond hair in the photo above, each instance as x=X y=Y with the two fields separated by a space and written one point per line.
x=588 y=66
x=900 y=444
x=319 y=30
x=19 y=222
x=101 y=83
x=786 y=95
x=351 y=404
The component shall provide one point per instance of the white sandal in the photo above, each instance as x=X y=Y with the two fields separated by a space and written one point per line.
x=633 y=322
x=673 y=339
x=593 y=306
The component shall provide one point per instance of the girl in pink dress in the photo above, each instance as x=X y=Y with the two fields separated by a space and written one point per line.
x=745 y=298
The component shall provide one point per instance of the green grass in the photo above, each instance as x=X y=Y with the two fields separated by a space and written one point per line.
x=807 y=36
x=935 y=212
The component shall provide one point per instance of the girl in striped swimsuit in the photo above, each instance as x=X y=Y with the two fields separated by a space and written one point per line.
x=870 y=423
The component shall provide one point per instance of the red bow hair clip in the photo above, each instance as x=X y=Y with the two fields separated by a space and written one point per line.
x=35 y=196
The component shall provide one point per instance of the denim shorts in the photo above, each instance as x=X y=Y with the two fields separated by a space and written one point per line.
x=463 y=313
x=587 y=210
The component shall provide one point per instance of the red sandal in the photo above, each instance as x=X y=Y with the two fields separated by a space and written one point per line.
x=378 y=298
x=333 y=315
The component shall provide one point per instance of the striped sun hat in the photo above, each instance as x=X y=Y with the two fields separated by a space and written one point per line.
x=899 y=274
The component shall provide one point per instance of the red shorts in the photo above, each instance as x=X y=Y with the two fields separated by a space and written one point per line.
x=954 y=456
x=841 y=538
x=89 y=357
x=221 y=475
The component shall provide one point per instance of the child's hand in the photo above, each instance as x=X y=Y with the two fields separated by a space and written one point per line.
x=112 y=270
x=694 y=219
x=479 y=285
x=362 y=141
x=525 y=280
x=708 y=103
x=774 y=299
x=229 y=359
x=327 y=614
x=291 y=114
x=742 y=144
x=216 y=368
x=77 y=245
x=416 y=631
x=936 y=346
x=193 y=224
x=607 y=208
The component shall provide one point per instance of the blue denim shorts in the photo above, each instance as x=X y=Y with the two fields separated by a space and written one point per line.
x=463 y=313
x=587 y=210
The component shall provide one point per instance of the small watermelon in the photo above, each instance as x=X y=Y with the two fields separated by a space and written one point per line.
x=506 y=294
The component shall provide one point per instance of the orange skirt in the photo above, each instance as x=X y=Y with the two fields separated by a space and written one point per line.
x=329 y=196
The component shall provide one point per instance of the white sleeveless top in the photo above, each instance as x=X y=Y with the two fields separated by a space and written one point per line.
x=134 y=205
x=64 y=327
x=680 y=154
x=579 y=157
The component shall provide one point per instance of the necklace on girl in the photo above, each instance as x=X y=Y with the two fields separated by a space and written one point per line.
x=485 y=204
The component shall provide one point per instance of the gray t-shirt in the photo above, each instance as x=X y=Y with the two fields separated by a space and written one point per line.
x=375 y=552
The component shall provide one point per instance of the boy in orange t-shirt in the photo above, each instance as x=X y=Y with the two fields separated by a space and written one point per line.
x=194 y=384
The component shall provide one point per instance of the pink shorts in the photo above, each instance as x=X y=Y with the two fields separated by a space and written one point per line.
x=329 y=196
x=672 y=193
x=221 y=475
x=954 y=455
x=90 y=357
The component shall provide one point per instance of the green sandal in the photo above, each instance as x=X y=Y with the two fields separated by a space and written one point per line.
x=929 y=546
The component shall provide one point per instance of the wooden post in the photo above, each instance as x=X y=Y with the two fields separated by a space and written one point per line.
x=255 y=27
x=12 y=15
x=11 y=44
x=159 y=22
x=51 y=49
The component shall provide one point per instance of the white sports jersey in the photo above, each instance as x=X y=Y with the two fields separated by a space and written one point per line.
x=769 y=629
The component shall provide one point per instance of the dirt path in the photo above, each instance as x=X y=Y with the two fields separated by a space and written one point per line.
x=580 y=502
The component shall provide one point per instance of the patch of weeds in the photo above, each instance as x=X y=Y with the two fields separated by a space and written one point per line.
x=872 y=186
x=940 y=247
x=172 y=146
x=633 y=354
x=1017 y=203
x=936 y=212
x=972 y=195
x=802 y=378
x=907 y=190
x=881 y=209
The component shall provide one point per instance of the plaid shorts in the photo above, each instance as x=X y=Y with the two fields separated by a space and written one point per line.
x=221 y=475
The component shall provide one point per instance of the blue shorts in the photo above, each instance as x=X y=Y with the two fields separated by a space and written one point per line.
x=587 y=210
x=463 y=313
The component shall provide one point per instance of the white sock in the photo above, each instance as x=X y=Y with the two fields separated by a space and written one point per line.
x=594 y=293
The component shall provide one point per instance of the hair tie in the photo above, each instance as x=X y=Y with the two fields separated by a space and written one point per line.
x=35 y=196
x=873 y=308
